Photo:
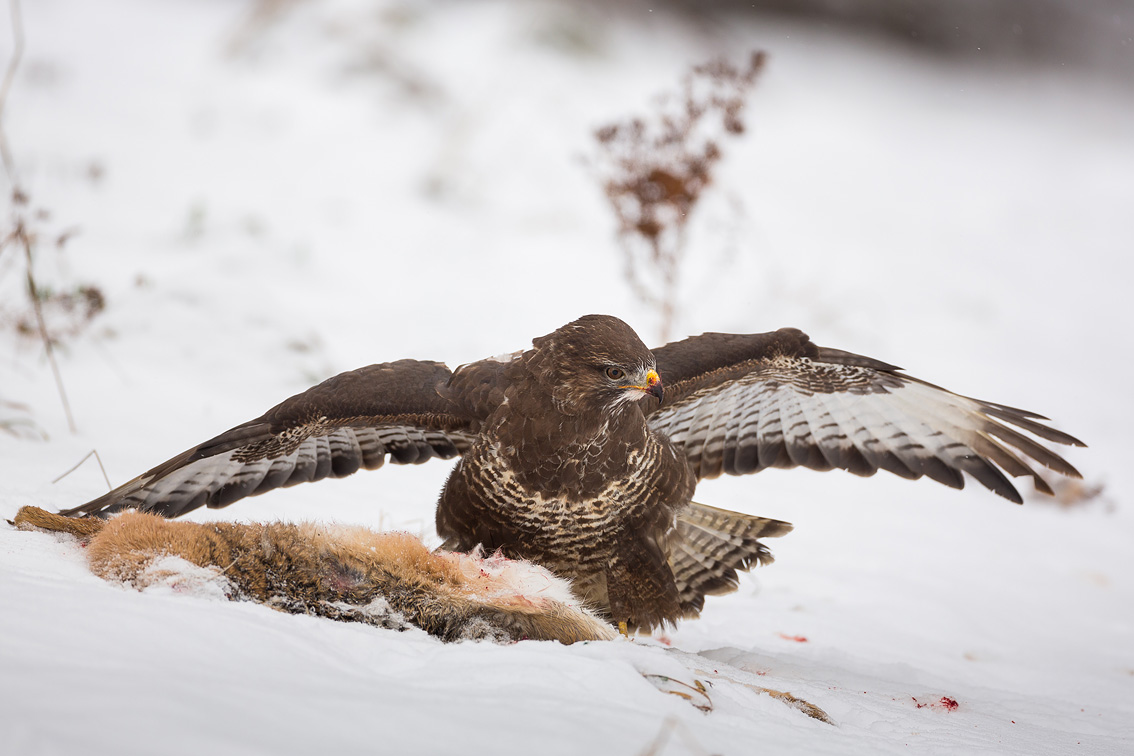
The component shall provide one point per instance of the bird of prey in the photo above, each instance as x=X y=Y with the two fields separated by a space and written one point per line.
x=573 y=456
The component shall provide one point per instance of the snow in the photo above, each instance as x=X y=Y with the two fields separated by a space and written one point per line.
x=265 y=203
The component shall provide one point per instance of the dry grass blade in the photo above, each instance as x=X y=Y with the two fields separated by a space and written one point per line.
x=794 y=702
x=695 y=694
x=6 y=86
x=77 y=465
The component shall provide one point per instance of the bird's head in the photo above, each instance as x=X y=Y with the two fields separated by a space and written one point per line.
x=596 y=363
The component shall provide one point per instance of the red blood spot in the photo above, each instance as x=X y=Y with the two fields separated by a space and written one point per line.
x=946 y=703
x=796 y=638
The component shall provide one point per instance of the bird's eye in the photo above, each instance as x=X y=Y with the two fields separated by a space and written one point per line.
x=615 y=374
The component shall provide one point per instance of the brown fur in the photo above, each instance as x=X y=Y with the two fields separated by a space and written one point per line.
x=331 y=571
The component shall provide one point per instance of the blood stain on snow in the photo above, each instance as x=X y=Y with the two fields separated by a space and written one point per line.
x=796 y=638
x=945 y=702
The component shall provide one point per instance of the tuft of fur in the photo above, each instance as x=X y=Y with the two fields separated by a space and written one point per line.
x=341 y=572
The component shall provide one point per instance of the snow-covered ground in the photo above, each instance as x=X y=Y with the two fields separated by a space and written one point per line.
x=265 y=202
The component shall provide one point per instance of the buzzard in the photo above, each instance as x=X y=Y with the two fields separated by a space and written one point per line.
x=569 y=457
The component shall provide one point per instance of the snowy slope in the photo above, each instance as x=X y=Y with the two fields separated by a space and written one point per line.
x=266 y=203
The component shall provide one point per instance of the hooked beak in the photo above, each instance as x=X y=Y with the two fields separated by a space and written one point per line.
x=653 y=384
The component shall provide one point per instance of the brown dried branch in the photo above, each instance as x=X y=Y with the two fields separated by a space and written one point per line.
x=657 y=169
x=21 y=237
x=76 y=308
x=77 y=465
x=87 y=299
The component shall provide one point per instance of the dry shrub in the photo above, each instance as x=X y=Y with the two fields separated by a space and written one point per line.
x=656 y=169
x=68 y=312
x=44 y=312
x=83 y=302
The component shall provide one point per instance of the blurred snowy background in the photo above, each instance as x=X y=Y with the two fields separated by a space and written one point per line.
x=266 y=193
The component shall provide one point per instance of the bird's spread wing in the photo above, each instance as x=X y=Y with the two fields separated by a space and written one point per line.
x=737 y=404
x=348 y=422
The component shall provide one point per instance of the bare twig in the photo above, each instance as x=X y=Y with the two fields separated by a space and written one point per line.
x=696 y=694
x=656 y=169
x=794 y=702
x=20 y=235
x=77 y=465
x=6 y=85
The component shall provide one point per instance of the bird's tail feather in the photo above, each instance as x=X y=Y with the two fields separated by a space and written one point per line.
x=709 y=545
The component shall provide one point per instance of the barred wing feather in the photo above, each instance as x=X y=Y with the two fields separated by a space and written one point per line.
x=839 y=410
x=350 y=422
x=708 y=546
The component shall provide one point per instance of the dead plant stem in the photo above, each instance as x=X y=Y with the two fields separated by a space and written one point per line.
x=91 y=453
x=21 y=236
x=6 y=85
